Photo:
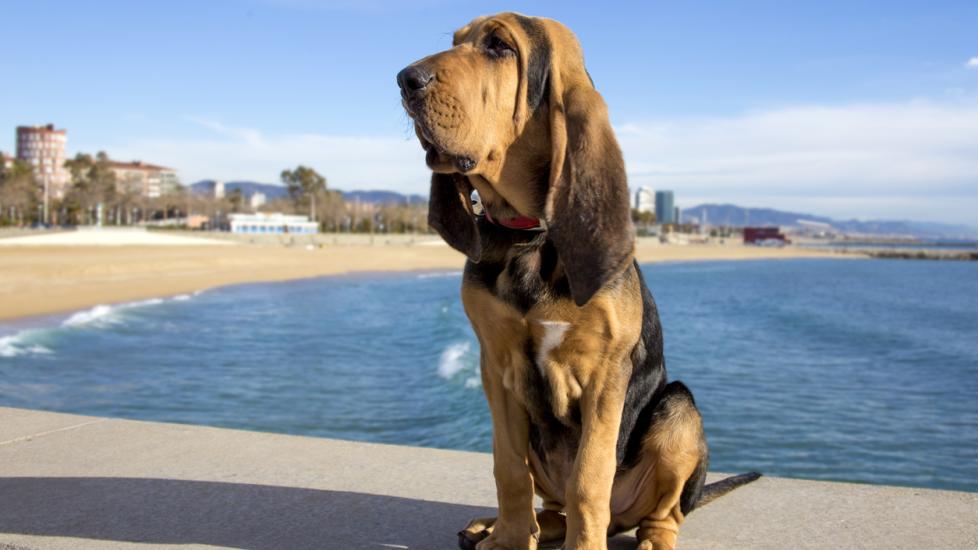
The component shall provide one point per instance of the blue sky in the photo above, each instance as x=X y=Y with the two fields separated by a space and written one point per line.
x=848 y=109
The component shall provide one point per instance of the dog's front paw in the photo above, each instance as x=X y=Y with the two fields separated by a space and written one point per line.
x=475 y=532
x=509 y=539
x=658 y=545
x=492 y=543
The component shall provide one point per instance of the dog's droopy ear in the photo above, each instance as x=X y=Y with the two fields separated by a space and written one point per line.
x=450 y=214
x=588 y=211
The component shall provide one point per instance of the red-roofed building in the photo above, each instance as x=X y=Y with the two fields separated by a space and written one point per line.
x=148 y=180
x=765 y=236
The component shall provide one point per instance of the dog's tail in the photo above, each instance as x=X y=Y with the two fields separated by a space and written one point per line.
x=717 y=489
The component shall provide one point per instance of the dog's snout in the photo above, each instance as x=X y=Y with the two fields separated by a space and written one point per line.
x=413 y=79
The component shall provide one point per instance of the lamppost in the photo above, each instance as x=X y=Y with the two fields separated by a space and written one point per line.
x=47 y=199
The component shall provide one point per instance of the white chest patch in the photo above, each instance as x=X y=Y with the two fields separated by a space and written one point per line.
x=553 y=335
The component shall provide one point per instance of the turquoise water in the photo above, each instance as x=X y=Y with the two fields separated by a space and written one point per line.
x=860 y=370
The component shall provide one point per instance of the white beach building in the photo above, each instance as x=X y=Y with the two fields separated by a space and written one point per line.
x=272 y=224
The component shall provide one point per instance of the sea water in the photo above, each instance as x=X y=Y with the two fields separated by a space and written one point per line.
x=856 y=370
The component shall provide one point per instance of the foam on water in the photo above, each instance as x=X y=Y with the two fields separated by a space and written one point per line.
x=16 y=345
x=103 y=315
x=28 y=342
x=98 y=313
x=141 y=303
x=453 y=359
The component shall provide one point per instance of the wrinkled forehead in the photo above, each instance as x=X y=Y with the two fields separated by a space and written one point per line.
x=509 y=25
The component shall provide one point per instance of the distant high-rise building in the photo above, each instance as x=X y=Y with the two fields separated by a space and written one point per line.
x=6 y=161
x=257 y=200
x=218 y=189
x=43 y=148
x=645 y=199
x=665 y=210
x=678 y=217
x=147 y=180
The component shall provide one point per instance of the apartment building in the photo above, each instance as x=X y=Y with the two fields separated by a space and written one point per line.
x=43 y=148
x=147 y=180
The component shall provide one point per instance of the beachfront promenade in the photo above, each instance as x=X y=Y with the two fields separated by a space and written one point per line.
x=79 y=482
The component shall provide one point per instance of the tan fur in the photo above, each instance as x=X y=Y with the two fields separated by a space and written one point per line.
x=477 y=108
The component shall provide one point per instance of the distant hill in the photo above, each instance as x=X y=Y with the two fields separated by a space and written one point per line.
x=738 y=216
x=272 y=191
x=275 y=191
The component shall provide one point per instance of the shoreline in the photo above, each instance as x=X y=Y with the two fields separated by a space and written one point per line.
x=38 y=281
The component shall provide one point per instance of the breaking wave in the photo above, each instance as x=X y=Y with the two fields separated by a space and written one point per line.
x=456 y=358
x=19 y=344
x=31 y=341
x=102 y=315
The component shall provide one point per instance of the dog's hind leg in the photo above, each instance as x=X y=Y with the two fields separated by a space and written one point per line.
x=674 y=456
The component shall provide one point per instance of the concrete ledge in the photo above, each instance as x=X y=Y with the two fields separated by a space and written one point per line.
x=70 y=481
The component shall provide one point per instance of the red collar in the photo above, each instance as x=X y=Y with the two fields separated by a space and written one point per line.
x=522 y=223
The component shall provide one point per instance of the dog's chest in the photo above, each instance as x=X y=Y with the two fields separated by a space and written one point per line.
x=528 y=329
x=544 y=376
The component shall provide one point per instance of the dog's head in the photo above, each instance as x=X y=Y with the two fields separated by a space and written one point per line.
x=511 y=111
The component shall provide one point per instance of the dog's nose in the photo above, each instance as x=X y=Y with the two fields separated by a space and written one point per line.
x=413 y=79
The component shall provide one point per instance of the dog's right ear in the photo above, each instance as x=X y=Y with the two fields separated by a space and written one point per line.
x=450 y=214
x=587 y=206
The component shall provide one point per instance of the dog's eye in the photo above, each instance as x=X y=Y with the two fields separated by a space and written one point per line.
x=496 y=46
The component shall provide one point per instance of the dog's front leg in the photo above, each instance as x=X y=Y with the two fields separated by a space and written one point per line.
x=516 y=528
x=589 y=488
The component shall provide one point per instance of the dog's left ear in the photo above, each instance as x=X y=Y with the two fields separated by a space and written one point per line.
x=587 y=210
x=450 y=214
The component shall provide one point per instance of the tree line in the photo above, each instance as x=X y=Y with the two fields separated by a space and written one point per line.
x=94 y=192
x=19 y=195
x=309 y=194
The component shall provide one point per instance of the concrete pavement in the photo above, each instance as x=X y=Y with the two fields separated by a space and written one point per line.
x=78 y=482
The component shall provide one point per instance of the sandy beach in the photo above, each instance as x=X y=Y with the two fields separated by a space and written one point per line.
x=74 y=271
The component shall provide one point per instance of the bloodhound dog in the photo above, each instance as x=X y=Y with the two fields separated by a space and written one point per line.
x=571 y=346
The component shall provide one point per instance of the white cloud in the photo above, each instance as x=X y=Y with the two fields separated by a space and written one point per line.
x=916 y=159
x=972 y=63
x=248 y=154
